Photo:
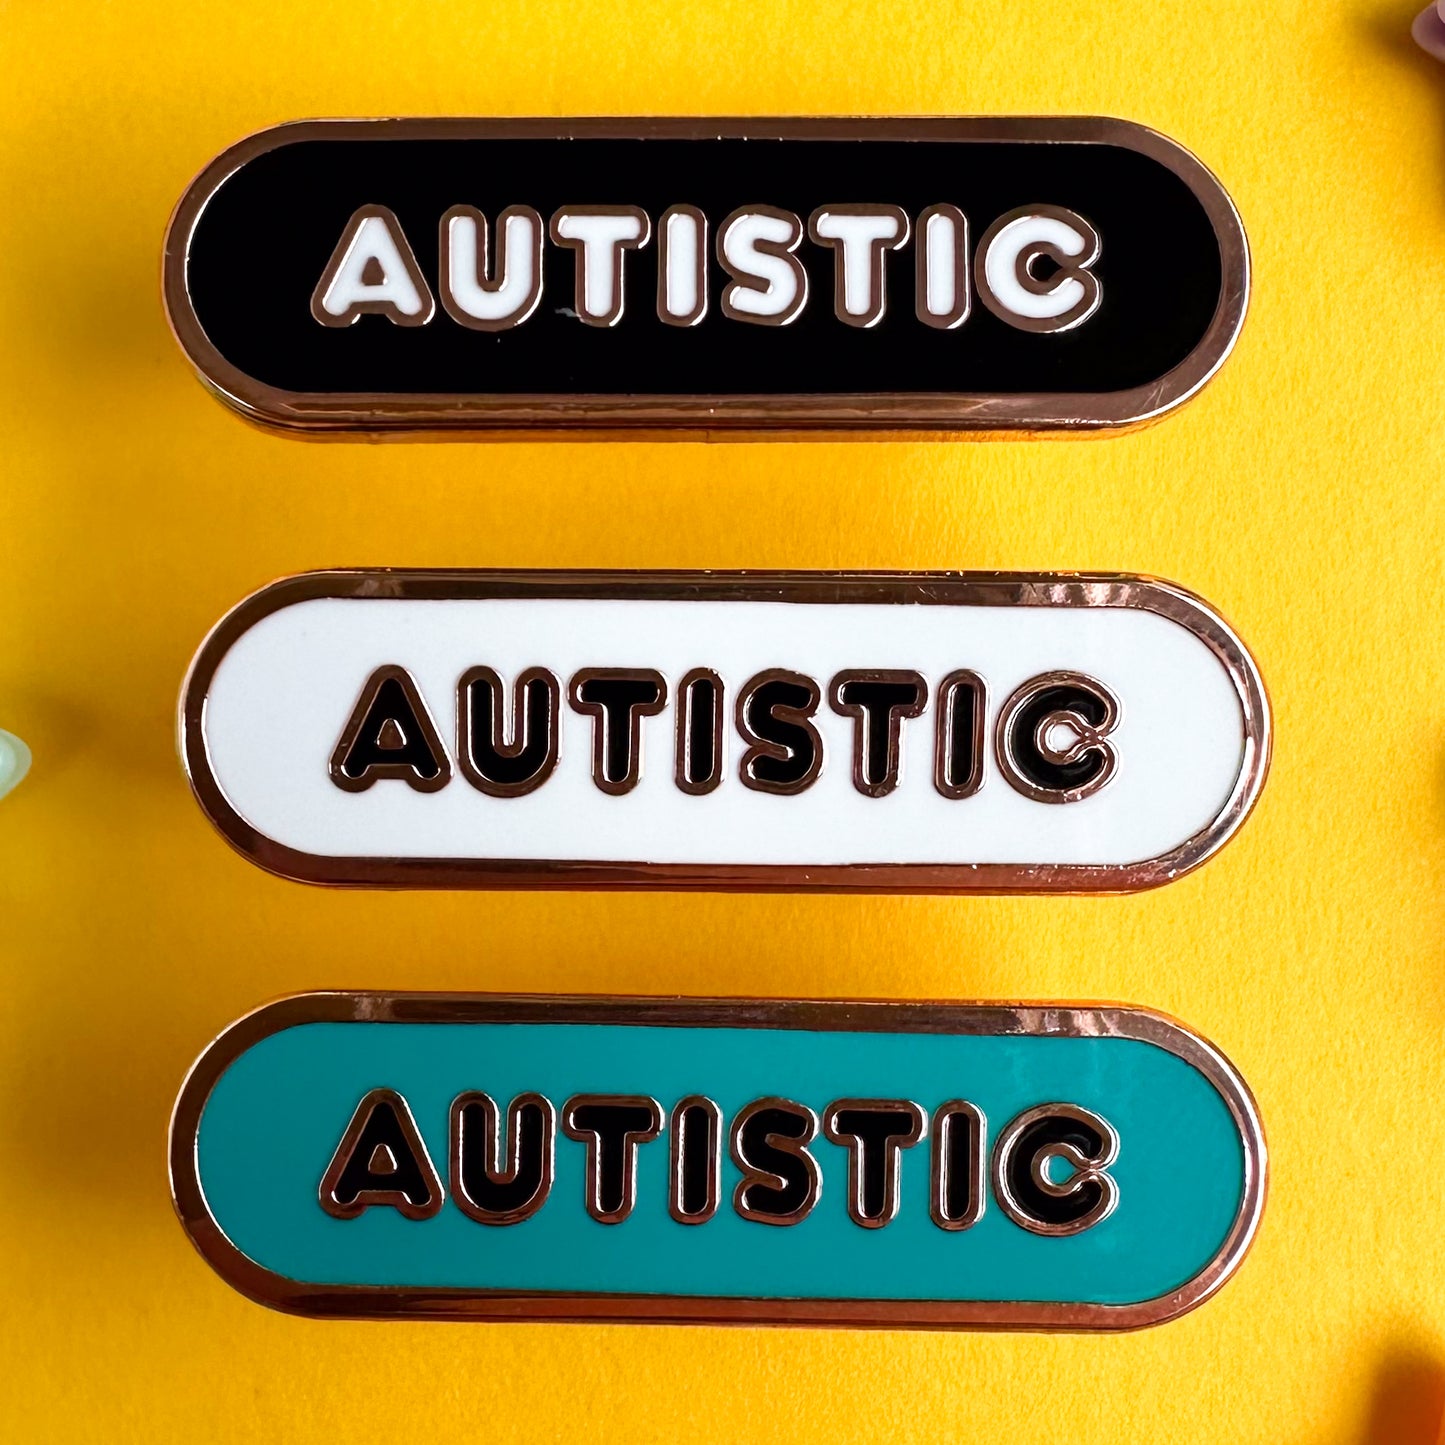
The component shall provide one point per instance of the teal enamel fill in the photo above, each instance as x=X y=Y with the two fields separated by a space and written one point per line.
x=276 y=1115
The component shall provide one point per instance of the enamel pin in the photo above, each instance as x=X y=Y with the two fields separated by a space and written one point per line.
x=940 y=275
x=739 y=1161
x=911 y=732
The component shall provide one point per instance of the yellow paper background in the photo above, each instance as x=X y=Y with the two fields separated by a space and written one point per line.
x=1302 y=494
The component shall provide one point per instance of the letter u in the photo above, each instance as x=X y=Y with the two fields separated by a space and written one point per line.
x=514 y=288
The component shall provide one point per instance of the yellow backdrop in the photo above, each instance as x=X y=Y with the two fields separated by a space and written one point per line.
x=1301 y=493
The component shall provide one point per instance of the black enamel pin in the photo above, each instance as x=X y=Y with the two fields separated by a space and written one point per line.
x=1028 y=275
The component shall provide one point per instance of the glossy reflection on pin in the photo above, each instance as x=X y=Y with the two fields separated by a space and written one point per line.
x=756 y=1160
x=926 y=732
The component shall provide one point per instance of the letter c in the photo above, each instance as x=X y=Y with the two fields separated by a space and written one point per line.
x=1009 y=284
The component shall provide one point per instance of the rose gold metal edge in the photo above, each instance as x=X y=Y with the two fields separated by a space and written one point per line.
x=684 y=417
x=948 y=588
x=1067 y=589
x=1120 y=1021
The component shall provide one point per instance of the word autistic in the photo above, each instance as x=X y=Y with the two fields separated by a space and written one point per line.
x=1051 y=738
x=502 y=1169
x=1032 y=268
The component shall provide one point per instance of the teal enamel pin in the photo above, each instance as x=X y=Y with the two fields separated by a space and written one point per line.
x=1025 y=1166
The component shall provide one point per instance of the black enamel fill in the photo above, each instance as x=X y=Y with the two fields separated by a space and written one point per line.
x=962 y=759
x=960 y=1145
x=782 y=731
x=612 y=1123
x=698 y=1146
x=1040 y=1137
x=756 y=1146
x=262 y=241
x=617 y=696
x=532 y=739
x=383 y=1131
x=876 y=1130
x=878 y=699
x=390 y=713
x=701 y=741
x=486 y=1190
x=1032 y=763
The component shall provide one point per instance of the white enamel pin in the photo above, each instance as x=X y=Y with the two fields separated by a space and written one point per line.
x=907 y=732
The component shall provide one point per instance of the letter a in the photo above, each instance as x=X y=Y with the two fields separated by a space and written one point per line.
x=390 y=735
x=381 y=1160
x=372 y=272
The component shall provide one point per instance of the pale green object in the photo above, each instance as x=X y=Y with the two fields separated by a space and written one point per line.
x=14 y=761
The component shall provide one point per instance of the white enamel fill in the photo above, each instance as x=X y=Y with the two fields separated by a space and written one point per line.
x=857 y=235
x=1000 y=267
x=283 y=692
x=684 y=242
x=779 y=296
x=463 y=276
x=600 y=236
x=941 y=261
x=372 y=241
